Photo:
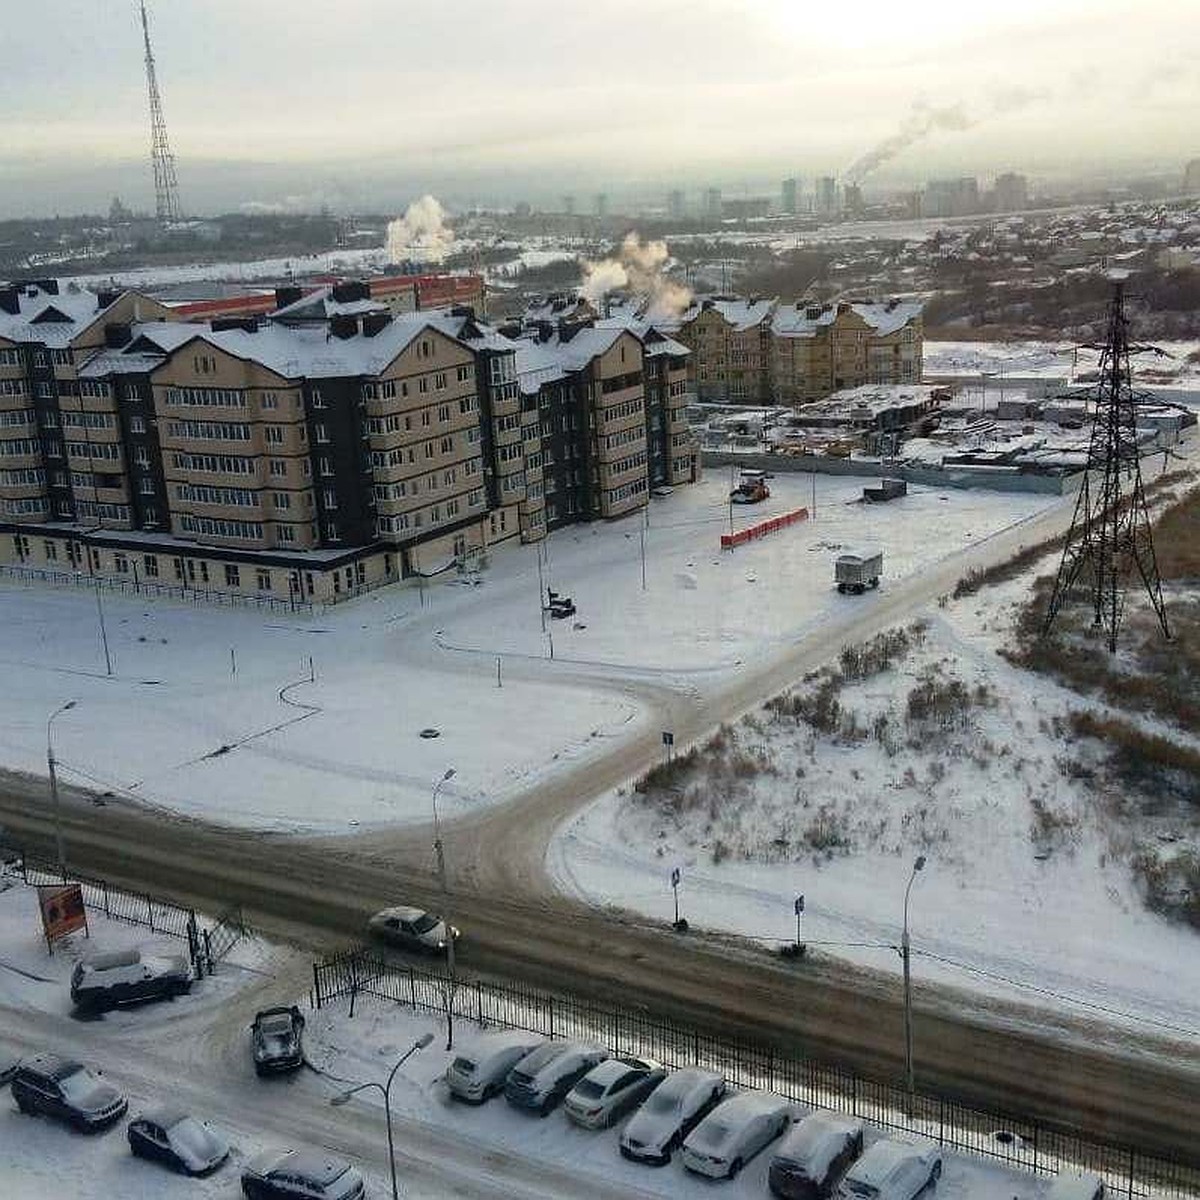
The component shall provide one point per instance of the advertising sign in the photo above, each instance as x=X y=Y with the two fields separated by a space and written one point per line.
x=62 y=911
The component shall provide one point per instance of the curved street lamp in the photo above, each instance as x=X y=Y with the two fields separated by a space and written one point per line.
x=386 y=1091
x=50 y=765
x=905 y=955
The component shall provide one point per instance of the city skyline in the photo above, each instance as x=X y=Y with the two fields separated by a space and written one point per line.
x=760 y=93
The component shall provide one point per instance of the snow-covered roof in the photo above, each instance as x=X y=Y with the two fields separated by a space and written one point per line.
x=741 y=314
x=794 y=320
x=654 y=339
x=538 y=363
x=50 y=319
x=320 y=306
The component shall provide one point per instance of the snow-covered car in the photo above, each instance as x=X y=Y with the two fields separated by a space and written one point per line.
x=177 y=1140
x=895 y=1169
x=412 y=929
x=479 y=1072
x=734 y=1132
x=63 y=1088
x=814 y=1154
x=9 y=1062
x=1077 y=1185
x=301 y=1175
x=542 y=1078
x=277 y=1040
x=608 y=1091
x=670 y=1113
x=104 y=981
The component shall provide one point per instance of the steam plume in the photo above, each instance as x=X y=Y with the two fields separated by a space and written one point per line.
x=421 y=233
x=919 y=123
x=638 y=266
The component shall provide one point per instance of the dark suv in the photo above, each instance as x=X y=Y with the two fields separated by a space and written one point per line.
x=277 y=1041
x=60 y=1087
x=106 y=981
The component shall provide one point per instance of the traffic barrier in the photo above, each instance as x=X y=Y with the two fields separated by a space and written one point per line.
x=771 y=525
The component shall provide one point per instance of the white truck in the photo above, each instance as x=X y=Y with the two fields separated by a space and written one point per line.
x=855 y=572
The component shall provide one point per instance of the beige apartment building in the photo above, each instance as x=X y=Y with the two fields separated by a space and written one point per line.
x=764 y=352
x=303 y=461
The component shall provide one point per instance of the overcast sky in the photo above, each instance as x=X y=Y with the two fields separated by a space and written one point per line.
x=354 y=101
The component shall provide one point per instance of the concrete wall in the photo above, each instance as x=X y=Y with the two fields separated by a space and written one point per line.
x=867 y=469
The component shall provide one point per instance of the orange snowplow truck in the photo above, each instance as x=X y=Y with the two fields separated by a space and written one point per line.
x=751 y=488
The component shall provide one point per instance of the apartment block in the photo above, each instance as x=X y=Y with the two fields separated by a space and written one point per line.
x=763 y=352
x=331 y=447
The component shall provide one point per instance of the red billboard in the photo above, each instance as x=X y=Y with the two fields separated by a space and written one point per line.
x=62 y=911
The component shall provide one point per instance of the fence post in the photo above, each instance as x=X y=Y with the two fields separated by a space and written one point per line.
x=105 y=884
x=478 y=1002
x=412 y=989
x=1132 y=1157
x=941 y=1120
x=550 y=1005
x=770 y=1068
x=317 y=984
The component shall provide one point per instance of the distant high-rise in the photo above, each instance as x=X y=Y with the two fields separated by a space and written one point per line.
x=675 y=204
x=569 y=205
x=789 y=197
x=1011 y=193
x=712 y=204
x=852 y=198
x=601 y=204
x=827 y=195
x=1191 y=178
x=951 y=197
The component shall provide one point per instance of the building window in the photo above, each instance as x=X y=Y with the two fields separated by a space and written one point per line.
x=331 y=500
x=278 y=467
x=263 y=579
x=326 y=465
x=331 y=530
x=285 y=533
x=282 y=500
x=51 y=551
x=233 y=575
x=150 y=562
x=121 y=564
x=137 y=424
x=321 y=432
x=318 y=401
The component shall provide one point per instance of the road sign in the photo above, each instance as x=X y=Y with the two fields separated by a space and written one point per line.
x=668 y=738
x=675 y=877
x=799 y=905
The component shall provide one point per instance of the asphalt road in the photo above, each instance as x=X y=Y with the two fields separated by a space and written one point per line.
x=1112 y=1084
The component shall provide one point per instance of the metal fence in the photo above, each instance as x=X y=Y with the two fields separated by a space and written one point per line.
x=135 y=908
x=1016 y=1141
x=149 y=587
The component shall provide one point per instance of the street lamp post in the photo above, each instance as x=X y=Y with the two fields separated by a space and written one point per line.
x=441 y=870
x=386 y=1090
x=905 y=955
x=50 y=764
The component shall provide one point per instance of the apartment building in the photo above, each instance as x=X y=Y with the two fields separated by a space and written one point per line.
x=611 y=399
x=333 y=447
x=817 y=350
x=763 y=352
x=731 y=348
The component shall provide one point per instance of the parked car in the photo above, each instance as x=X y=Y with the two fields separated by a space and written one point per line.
x=277 y=1039
x=175 y=1139
x=608 y=1091
x=63 y=1088
x=479 y=1072
x=670 y=1113
x=1077 y=1185
x=542 y=1078
x=895 y=1169
x=734 y=1132
x=303 y=1174
x=411 y=929
x=813 y=1156
x=104 y=981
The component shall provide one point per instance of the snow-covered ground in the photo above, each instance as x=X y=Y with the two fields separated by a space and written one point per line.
x=265 y=747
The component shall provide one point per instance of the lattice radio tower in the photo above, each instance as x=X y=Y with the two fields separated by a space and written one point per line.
x=1110 y=536
x=166 y=187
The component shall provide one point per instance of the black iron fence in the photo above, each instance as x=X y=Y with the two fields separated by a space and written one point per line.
x=135 y=908
x=1016 y=1141
x=150 y=587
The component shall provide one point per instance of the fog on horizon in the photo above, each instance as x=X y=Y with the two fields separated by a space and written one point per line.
x=363 y=103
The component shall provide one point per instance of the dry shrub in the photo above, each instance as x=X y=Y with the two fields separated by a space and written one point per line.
x=668 y=774
x=1150 y=763
x=1171 y=885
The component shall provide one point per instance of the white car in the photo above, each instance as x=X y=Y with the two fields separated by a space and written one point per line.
x=543 y=1078
x=412 y=929
x=607 y=1092
x=478 y=1073
x=1077 y=1185
x=734 y=1132
x=670 y=1113
x=895 y=1169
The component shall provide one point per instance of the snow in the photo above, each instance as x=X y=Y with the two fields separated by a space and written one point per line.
x=267 y=748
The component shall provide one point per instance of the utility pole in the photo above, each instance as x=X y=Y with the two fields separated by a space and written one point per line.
x=51 y=764
x=905 y=954
x=103 y=631
x=643 y=538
